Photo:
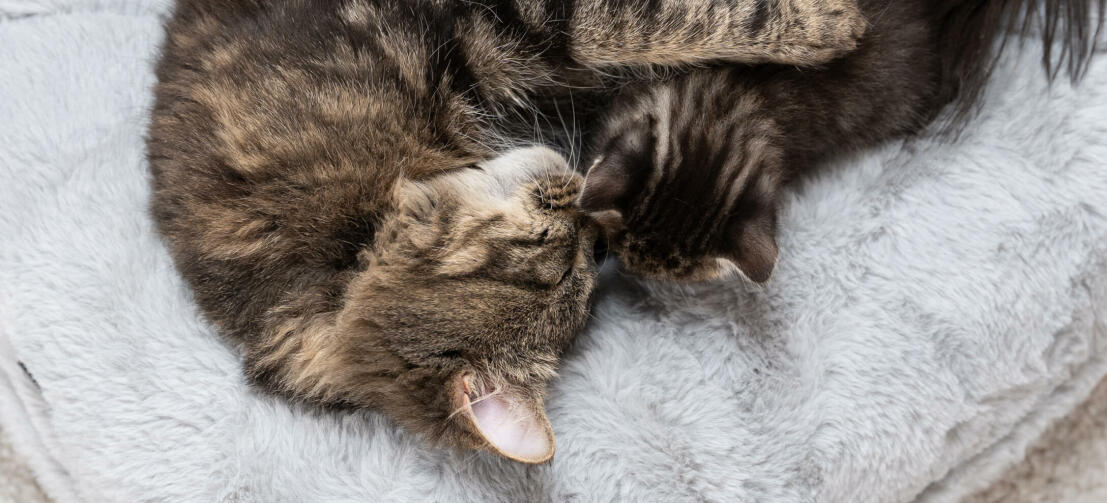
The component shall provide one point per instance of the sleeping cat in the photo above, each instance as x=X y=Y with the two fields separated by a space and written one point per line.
x=687 y=176
x=337 y=182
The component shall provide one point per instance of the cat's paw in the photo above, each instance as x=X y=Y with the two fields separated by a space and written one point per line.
x=818 y=31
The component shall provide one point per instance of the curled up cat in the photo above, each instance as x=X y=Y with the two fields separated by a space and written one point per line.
x=345 y=188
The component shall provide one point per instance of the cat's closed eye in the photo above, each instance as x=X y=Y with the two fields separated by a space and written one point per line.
x=536 y=239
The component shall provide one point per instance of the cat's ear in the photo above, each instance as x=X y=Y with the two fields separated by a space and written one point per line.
x=607 y=183
x=622 y=160
x=751 y=246
x=514 y=426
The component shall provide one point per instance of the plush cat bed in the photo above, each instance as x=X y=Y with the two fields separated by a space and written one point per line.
x=935 y=306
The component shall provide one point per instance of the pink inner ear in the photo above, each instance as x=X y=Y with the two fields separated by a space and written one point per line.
x=516 y=430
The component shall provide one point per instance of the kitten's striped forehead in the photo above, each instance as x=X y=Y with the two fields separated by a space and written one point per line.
x=697 y=181
x=685 y=189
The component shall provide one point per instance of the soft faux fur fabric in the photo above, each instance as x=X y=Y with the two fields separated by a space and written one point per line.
x=936 y=305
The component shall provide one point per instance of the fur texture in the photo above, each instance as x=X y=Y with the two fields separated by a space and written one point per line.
x=333 y=180
x=688 y=174
x=928 y=317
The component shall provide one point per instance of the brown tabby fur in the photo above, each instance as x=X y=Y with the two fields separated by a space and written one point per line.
x=335 y=182
x=688 y=173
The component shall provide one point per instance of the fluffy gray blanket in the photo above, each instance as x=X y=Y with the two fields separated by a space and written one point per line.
x=935 y=306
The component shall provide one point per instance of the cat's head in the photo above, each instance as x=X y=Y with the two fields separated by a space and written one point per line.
x=684 y=194
x=473 y=290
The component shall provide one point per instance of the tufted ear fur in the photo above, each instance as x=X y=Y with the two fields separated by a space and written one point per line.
x=513 y=425
x=751 y=246
x=607 y=183
x=618 y=172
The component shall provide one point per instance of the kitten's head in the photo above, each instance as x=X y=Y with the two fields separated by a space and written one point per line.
x=686 y=194
x=470 y=295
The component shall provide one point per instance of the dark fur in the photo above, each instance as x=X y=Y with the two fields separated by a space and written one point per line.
x=313 y=177
x=669 y=155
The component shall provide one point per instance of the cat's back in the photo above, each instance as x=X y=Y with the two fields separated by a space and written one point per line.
x=278 y=131
x=256 y=84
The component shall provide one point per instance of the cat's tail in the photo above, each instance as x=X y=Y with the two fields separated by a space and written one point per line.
x=974 y=33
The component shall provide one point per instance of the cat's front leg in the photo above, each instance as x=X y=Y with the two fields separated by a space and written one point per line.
x=674 y=32
x=509 y=48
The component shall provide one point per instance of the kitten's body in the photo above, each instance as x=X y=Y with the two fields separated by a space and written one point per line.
x=314 y=177
x=688 y=173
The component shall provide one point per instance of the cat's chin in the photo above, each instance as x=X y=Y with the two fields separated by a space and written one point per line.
x=726 y=269
x=721 y=269
x=713 y=269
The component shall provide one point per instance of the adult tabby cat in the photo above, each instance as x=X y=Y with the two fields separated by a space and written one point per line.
x=334 y=181
x=688 y=174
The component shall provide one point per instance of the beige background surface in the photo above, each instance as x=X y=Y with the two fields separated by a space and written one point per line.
x=16 y=483
x=1068 y=464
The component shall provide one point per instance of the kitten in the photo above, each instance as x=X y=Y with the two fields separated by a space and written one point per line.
x=335 y=183
x=688 y=173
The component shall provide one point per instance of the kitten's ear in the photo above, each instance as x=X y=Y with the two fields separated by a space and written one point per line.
x=752 y=246
x=607 y=182
x=623 y=158
x=514 y=426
